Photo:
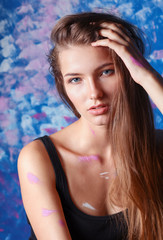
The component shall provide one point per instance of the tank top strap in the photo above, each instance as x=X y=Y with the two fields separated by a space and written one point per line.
x=61 y=181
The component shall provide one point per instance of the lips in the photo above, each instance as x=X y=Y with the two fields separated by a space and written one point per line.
x=98 y=109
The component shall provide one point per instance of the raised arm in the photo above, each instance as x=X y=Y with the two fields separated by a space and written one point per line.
x=40 y=198
x=140 y=70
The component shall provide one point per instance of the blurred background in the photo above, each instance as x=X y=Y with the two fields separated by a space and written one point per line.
x=29 y=104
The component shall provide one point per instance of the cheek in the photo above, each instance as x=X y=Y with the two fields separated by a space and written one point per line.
x=109 y=92
x=112 y=87
x=76 y=96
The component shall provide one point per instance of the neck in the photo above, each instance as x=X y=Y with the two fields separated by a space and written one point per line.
x=93 y=136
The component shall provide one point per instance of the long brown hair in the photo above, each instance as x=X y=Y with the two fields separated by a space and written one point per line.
x=131 y=126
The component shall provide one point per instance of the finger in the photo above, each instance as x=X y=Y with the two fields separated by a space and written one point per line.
x=102 y=43
x=123 y=51
x=117 y=28
x=128 y=55
x=113 y=35
x=108 y=43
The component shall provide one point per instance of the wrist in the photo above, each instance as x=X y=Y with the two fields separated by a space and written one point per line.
x=151 y=78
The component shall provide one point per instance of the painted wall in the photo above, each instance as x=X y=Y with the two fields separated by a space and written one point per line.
x=29 y=105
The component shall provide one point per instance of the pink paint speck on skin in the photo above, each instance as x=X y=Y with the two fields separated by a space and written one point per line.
x=61 y=223
x=88 y=158
x=136 y=62
x=47 y=212
x=32 y=178
x=93 y=132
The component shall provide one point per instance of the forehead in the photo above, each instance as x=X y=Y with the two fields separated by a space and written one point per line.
x=83 y=58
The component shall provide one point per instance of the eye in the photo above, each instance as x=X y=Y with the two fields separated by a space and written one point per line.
x=107 y=72
x=75 y=80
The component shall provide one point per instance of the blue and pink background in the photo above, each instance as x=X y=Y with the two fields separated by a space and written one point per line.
x=29 y=104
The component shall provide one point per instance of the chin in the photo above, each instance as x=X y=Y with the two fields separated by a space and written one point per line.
x=100 y=121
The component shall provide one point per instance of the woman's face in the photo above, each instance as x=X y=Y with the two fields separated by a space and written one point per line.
x=89 y=80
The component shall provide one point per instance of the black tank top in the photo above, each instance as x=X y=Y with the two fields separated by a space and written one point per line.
x=81 y=225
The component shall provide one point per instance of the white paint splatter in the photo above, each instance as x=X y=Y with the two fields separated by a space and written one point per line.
x=108 y=175
x=87 y=205
x=103 y=173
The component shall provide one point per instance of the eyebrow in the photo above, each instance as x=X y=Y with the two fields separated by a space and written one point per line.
x=100 y=67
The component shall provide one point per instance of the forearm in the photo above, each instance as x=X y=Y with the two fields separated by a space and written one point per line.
x=153 y=84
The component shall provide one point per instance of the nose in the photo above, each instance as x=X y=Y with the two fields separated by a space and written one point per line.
x=95 y=90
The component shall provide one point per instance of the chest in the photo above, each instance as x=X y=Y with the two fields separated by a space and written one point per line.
x=89 y=183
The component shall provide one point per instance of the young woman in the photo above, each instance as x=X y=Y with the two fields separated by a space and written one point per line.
x=100 y=177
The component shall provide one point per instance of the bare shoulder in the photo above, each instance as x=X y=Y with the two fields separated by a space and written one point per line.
x=66 y=137
x=34 y=158
x=29 y=152
x=39 y=194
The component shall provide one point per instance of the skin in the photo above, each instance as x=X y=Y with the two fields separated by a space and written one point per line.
x=89 y=80
x=146 y=76
x=32 y=178
x=92 y=87
x=47 y=212
x=89 y=158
